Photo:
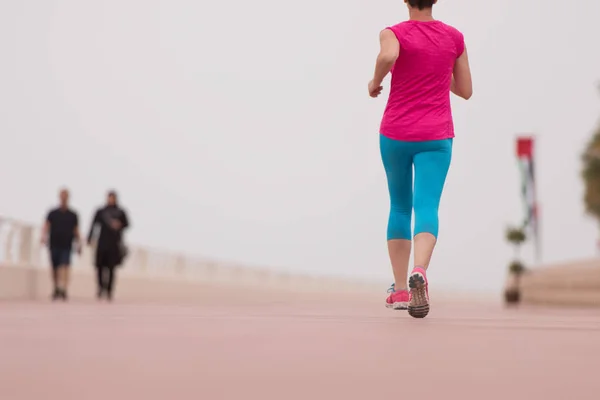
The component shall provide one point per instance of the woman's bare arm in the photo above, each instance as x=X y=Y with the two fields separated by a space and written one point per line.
x=462 y=84
x=388 y=54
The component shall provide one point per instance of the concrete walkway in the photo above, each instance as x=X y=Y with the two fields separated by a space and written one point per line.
x=337 y=348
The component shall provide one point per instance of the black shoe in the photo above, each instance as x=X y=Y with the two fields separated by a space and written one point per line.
x=64 y=295
x=56 y=295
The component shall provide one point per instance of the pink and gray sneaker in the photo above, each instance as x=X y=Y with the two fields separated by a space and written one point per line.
x=418 y=306
x=398 y=299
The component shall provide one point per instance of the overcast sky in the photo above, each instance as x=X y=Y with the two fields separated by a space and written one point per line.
x=242 y=130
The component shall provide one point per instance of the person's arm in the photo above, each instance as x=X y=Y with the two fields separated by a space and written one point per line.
x=388 y=54
x=95 y=221
x=46 y=229
x=389 y=50
x=462 y=84
x=76 y=234
x=124 y=220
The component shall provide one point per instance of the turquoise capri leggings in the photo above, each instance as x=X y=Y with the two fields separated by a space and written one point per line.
x=431 y=161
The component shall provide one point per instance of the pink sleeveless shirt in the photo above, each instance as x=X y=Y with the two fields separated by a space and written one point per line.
x=418 y=107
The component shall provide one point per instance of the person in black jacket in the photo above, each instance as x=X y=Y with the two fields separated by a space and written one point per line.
x=107 y=227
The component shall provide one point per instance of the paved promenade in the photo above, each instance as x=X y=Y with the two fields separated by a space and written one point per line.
x=335 y=347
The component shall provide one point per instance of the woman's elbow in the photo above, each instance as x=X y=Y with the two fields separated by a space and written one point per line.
x=466 y=92
x=388 y=58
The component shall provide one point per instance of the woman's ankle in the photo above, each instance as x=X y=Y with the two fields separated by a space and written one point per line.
x=419 y=268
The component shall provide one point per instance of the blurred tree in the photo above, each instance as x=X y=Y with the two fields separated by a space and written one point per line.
x=591 y=175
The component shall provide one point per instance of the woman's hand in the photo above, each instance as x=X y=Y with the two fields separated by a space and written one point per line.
x=374 y=89
x=116 y=224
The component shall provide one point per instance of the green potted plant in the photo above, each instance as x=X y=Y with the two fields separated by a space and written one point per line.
x=512 y=292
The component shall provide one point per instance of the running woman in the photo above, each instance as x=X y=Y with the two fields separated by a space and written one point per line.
x=428 y=60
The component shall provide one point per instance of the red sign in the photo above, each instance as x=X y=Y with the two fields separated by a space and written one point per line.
x=525 y=147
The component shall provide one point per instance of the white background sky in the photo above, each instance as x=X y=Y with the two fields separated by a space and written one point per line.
x=242 y=130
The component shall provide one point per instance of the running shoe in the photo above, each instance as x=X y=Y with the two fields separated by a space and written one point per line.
x=398 y=300
x=418 y=306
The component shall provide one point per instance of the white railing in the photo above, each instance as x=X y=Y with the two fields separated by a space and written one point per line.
x=20 y=246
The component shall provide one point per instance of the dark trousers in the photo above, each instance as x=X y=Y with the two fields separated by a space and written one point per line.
x=106 y=279
x=107 y=259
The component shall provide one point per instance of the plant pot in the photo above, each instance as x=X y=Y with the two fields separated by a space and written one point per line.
x=512 y=296
x=512 y=292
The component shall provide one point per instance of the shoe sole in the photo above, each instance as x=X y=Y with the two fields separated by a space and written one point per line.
x=419 y=304
x=397 y=306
